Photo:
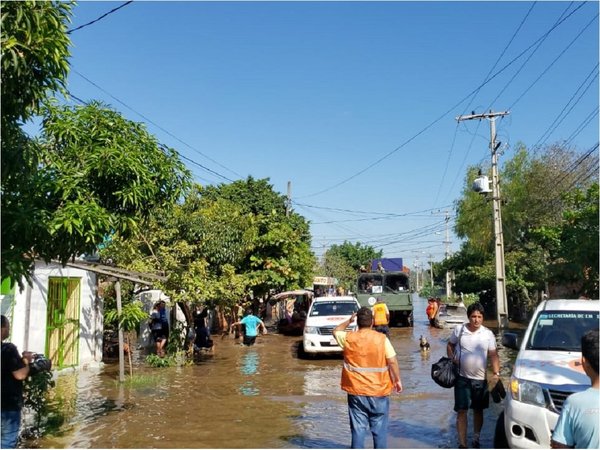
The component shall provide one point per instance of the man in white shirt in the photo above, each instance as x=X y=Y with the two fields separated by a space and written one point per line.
x=470 y=346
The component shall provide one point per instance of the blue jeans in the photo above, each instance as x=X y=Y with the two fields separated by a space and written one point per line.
x=11 y=425
x=368 y=412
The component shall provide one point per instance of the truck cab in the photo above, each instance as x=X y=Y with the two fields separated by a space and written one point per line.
x=547 y=370
x=393 y=288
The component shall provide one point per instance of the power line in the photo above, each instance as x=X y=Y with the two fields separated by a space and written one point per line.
x=163 y=146
x=504 y=51
x=526 y=61
x=571 y=169
x=552 y=63
x=526 y=90
x=165 y=131
x=339 y=226
x=554 y=124
x=444 y=114
x=584 y=124
x=100 y=18
x=369 y=212
x=469 y=104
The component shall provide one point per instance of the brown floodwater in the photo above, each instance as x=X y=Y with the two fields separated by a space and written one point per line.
x=263 y=396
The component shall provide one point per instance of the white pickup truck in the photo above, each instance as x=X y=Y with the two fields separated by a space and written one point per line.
x=324 y=315
x=547 y=370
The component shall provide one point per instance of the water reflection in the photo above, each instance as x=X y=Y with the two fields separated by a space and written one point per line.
x=249 y=367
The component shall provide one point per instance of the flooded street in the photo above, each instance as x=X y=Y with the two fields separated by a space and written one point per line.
x=258 y=397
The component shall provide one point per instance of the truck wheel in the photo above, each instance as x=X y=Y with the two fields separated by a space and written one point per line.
x=301 y=352
x=500 y=440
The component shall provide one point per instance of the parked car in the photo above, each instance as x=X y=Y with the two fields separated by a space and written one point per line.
x=451 y=314
x=547 y=370
x=324 y=315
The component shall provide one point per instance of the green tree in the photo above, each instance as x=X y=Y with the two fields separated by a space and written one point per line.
x=97 y=173
x=576 y=259
x=343 y=262
x=132 y=315
x=356 y=254
x=336 y=266
x=221 y=248
x=91 y=173
x=35 y=48
x=280 y=257
x=536 y=191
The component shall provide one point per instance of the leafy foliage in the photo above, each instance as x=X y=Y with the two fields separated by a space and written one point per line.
x=90 y=174
x=222 y=244
x=156 y=361
x=132 y=315
x=176 y=359
x=356 y=254
x=577 y=256
x=344 y=261
x=35 y=48
x=35 y=395
x=550 y=227
x=97 y=173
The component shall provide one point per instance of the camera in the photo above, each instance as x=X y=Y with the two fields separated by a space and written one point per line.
x=39 y=364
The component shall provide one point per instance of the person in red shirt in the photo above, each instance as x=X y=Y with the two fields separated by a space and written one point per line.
x=431 y=311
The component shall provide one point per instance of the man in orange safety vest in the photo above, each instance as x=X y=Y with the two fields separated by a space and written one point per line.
x=369 y=375
x=381 y=317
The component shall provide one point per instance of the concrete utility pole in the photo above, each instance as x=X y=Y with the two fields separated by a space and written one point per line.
x=431 y=269
x=447 y=254
x=416 y=265
x=288 y=203
x=501 y=301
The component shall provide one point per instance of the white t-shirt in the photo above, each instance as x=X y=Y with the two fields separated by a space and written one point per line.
x=473 y=350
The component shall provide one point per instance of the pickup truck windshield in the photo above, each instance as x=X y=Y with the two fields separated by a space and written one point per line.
x=334 y=308
x=561 y=330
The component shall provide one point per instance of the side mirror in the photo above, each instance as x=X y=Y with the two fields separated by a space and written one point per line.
x=511 y=340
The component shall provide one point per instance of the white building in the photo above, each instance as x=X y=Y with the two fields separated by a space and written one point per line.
x=58 y=315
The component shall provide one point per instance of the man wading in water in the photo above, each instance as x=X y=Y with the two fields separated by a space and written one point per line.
x=369 y=375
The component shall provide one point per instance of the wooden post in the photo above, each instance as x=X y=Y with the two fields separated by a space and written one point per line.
x=121 y=349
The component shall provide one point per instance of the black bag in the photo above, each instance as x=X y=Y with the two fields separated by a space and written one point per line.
x=40 y=364
x=444 y=372
x=498 y=392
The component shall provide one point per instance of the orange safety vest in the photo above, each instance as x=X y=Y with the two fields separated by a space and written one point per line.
x=365 y=370
x=379 y=316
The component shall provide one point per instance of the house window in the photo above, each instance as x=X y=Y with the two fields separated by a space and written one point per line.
x=62 y=339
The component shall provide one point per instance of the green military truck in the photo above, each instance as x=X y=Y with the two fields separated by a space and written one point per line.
x=393 y=287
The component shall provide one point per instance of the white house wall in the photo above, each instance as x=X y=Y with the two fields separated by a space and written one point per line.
x=31 y=307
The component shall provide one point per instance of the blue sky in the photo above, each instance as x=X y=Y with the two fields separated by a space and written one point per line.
x=354 y=103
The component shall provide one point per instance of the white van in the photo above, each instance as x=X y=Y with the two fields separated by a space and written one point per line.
x=547 y=370
x=324 y=314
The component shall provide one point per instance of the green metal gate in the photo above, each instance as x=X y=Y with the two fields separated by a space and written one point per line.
x=62 y=335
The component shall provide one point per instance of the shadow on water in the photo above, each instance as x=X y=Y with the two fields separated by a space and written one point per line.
x=264 y=396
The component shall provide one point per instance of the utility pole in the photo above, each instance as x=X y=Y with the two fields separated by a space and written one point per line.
x=288 y=203
x=447 y=254
x=431 y=269
x=416 y=265
x=447 y=242
x=501 y=301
